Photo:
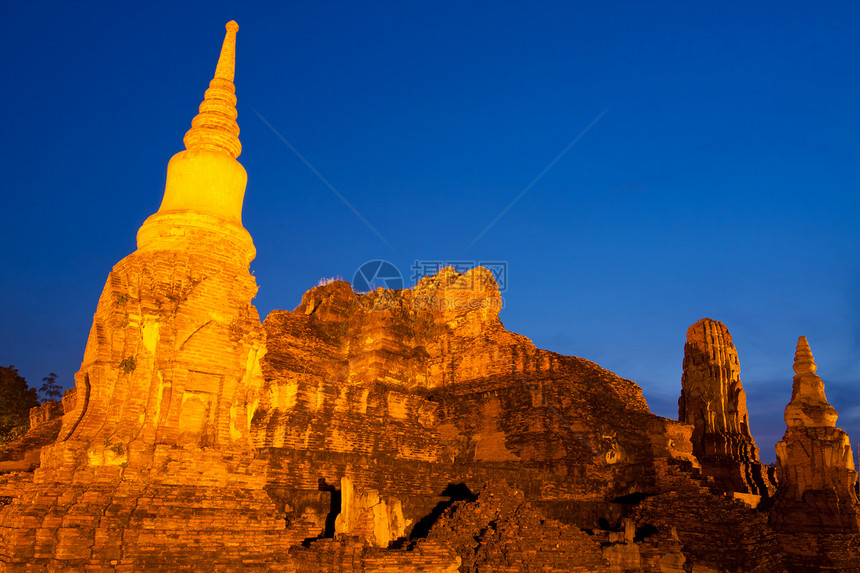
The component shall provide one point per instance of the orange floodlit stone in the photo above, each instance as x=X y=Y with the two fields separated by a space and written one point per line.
x=713 y=401
x=815 y=465
x=394 y=431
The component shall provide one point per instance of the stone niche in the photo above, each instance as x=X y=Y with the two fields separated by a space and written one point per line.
x=197 y=418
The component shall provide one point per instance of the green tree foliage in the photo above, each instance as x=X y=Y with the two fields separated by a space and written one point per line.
x=50 y=390
x=16 y=399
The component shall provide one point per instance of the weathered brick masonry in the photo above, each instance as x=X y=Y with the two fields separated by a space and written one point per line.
x=389 y=431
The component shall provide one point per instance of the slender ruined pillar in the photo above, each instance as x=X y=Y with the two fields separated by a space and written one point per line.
x=155 y=438
x=815 y=465
x=714 y=403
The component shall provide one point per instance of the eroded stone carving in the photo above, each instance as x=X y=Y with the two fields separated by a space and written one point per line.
x=713 y=401
x=366 y=514
x=815 y=464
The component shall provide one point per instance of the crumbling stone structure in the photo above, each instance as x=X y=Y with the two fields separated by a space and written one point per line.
x=814 y=460
x=394 y=431
x=156 y=443
x=23 y=454
x=713 y=401
x=497 y=529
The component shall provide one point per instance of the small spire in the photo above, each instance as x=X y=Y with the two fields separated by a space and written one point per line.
x=226 y=68
x=804 y=363
x=215 y=127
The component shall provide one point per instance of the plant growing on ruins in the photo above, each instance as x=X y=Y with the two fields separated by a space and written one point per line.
x=128 y=364
x=50 y=390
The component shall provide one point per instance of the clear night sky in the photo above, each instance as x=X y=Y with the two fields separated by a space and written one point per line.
x=721 y=181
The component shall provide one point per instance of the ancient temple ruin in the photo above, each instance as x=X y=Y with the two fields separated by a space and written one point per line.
x=713 y=401
x=815 y=465
x=390 y=431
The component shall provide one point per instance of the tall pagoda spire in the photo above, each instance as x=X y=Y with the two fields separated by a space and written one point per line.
x=215 y=125
x=205 y=186
x=808 y=406
x=814 y=464
x=804 y=362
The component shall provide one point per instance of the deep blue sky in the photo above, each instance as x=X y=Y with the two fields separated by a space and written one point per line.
x=722 y=181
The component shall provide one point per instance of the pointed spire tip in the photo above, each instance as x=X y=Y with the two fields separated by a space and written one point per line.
x=215 y=126
x=804 y=362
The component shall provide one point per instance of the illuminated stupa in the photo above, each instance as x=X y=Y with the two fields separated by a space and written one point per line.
x=155 y=438
x=205 y=183
x=814 y=462
x=197 y=438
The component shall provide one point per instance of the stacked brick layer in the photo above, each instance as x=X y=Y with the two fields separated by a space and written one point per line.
x=153 y=467
x=415 y=403
x=439 y=393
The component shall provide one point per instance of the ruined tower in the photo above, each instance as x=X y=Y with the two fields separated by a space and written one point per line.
x=155 y=437
x=815 y=465
x=175 y=341
x=713 y=401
